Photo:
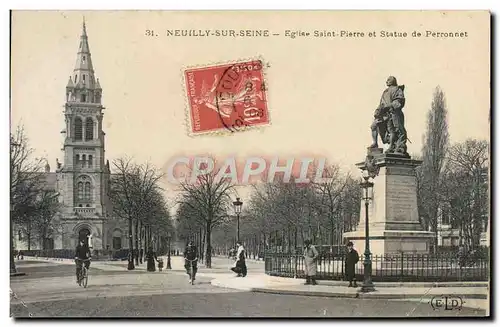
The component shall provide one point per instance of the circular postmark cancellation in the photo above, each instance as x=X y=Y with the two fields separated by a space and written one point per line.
x=230 y=97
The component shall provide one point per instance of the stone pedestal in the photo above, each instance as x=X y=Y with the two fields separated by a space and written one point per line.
x=393 y=212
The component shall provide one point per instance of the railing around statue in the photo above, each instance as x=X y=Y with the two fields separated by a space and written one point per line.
x=389 y=268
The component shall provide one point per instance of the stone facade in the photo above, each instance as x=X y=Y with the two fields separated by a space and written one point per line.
x=83 y=179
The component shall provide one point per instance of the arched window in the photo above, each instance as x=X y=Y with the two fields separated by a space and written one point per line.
x=77 y=160
x=89 y=129
x=83 y=98
x=90 y=161
x=78 y=129
x=80 y=191
x=84 y=159
x=87 y=191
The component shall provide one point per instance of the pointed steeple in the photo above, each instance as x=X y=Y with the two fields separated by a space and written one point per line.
x=84 y=70
x=84 y=86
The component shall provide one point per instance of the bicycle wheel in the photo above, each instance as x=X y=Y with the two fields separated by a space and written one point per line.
x=85 y=277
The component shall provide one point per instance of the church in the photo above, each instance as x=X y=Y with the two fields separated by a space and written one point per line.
x=83 y=179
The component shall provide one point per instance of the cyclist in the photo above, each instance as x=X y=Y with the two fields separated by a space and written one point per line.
x=82 y=253
x=190 y=257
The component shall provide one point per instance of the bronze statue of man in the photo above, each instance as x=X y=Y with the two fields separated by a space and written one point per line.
x=389 y=119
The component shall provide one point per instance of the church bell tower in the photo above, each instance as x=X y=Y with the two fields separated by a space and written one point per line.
x=84 y=174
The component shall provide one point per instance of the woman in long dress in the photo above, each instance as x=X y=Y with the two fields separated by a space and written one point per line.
x=240 y=267
x=151 y=258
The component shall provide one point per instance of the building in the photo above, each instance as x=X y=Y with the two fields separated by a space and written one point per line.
x=82 y=180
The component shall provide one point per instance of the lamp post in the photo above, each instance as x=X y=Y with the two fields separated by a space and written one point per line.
x=367 y=281
x=237 y=208
x=169 y=264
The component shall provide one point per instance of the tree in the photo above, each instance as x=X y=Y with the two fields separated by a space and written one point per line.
x=467 y=188
x=207 y=201
x=135 y=195
x=25 y=174
x=330 y=195
x=435 y=146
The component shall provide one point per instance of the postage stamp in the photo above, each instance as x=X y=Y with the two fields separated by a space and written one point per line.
x=228 y=97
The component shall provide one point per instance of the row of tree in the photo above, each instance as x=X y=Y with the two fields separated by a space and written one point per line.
x=319 y=211
x=453 y=183
x=137 y=197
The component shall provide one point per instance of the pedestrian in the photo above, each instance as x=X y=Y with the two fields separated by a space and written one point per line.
x=240 y=267
x=310 y=263
x=351 y=260
x=151 y=258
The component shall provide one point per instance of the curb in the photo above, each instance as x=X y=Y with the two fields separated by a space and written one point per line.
x=359 y=295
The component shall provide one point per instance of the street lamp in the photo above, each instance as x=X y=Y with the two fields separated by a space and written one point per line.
x=169 y=264
x=367 y=282
x=237 y=208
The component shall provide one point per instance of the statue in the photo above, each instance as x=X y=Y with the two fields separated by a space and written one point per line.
x=389 y=119
x=58 y=164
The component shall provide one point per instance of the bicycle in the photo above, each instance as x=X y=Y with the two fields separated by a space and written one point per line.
x=191 y=270
x=84 y=275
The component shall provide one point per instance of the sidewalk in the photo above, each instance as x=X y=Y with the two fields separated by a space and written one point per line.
x=289 y=286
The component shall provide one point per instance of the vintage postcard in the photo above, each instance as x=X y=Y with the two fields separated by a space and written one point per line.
x=250 y=164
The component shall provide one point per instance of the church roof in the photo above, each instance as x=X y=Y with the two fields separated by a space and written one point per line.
x=49 y=180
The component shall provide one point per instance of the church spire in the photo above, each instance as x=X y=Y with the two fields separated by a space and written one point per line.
x=84 y=71
x=85 y=85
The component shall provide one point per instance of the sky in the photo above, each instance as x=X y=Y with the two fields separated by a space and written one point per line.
x=321 y=91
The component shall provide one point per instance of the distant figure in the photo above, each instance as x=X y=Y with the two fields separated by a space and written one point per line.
x=351 y=260
x=310 y=263
x=151 y=258
x=240 y=267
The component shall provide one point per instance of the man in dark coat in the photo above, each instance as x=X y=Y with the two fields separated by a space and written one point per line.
x=190 y=258
x=351 y=260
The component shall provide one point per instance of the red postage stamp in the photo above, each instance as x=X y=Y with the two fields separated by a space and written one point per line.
x=228 y=97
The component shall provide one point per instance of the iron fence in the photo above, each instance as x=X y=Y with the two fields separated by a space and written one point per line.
x=388 y=268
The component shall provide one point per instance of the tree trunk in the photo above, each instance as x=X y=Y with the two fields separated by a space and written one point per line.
x=140 y=242
x=136 y=232
x=208 y=238
x=28 y=234
x=130 y=246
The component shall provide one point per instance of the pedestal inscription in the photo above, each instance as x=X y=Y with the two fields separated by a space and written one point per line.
x=401 y=198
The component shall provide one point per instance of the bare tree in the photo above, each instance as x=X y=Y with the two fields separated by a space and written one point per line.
x=435 y=146
x=25 y=177
x=207 y=200
x=330 y=195
x=467 y=188
x=132 y=189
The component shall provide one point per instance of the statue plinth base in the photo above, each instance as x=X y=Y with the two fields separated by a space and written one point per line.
x=393 y=211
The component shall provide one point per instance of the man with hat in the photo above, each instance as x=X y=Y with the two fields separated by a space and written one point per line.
x=310 y=262
x=351 y=260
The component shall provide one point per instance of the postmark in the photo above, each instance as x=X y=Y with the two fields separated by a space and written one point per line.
x=226 y=98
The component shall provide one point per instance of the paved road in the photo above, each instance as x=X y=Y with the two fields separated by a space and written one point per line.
x=50 y=290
